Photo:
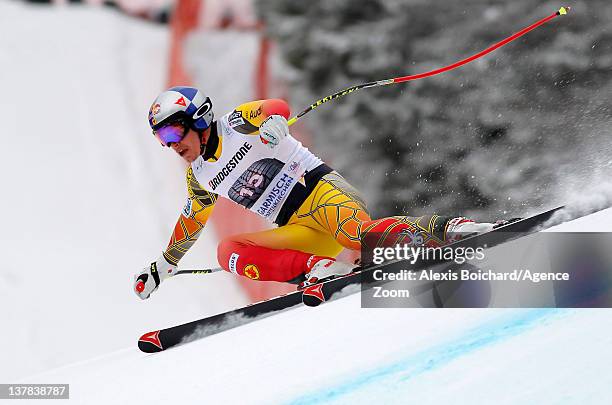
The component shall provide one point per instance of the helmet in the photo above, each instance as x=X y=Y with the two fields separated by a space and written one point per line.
x=182 y=105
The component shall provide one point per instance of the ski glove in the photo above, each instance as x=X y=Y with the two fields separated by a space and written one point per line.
x=149 y=278
x=273 y=130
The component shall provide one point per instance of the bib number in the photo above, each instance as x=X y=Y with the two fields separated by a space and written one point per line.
x=254 y=181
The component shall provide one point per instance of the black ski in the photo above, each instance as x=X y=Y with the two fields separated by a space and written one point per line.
x=319 y=293
x=163 y=339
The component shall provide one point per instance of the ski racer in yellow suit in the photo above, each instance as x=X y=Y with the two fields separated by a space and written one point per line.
x=249 y=157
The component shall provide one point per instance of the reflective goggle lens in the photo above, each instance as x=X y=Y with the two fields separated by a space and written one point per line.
x=170 y=133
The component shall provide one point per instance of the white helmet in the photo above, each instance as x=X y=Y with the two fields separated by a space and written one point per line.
x=185 y=105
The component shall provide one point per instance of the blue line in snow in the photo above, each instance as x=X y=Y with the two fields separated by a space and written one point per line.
x=485 y=335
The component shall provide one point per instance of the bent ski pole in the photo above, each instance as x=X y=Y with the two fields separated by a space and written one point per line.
x=342 y=93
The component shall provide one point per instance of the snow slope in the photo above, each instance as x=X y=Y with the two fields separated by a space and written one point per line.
x=88 y=196
x=341 y=353
x=600 y=221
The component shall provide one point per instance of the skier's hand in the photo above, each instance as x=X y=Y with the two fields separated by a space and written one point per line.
x=273 y=130
x=149 y=278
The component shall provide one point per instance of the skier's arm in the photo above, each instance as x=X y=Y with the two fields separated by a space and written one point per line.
x=198 y=208
x=188 y=227
x=254 y=113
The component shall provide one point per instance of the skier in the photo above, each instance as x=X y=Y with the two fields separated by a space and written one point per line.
x=250 y=157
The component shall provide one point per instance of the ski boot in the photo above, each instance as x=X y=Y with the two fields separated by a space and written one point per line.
x=321 y=269
x=460 y=227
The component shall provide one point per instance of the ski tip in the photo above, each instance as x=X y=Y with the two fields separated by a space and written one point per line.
x=313 y=296
x=150 y=342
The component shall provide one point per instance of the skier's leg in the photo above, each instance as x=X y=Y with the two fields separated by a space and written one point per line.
x=426 y=230
x=336 y=207
x=332 y=217
x=281 y=254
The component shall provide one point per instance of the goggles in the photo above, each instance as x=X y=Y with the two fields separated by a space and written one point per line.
x=171 y=133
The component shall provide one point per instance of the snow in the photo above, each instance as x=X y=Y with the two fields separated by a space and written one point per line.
x=88 y=196
x=342 y=353
x=600 y=221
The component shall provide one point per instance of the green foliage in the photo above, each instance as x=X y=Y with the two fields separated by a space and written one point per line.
x=489 y=137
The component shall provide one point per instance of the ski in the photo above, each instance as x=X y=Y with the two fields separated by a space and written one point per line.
x=159 y=340
x=316 y=294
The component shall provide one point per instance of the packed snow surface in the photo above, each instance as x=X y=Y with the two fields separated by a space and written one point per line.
x=341 y=353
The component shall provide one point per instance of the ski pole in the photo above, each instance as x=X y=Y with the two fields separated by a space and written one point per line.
x=342 y=93
x=199 y=271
